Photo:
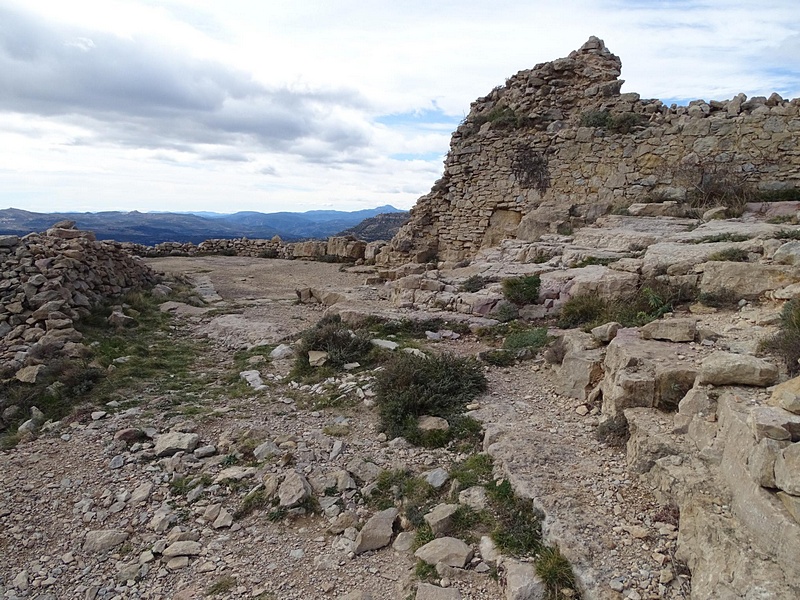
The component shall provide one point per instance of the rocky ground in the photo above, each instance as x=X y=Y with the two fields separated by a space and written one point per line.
x=140 y=499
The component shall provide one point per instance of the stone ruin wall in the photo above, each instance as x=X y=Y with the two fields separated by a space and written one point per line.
x=345 y=248
x=47 y=282
x=494 y=186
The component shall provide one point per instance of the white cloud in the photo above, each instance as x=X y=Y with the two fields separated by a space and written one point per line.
x=260 y=105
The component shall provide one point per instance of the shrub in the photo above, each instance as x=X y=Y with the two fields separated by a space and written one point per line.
x=789 y=234
x=526 y=338
x=555 y=571
x=582 y=309
x=331 y=335
x=505 y=312
x=519 y=530
x=499 y=358
x=410 y=386
x=786 y=343
x=474 y=283
x=619 y=123
x=722 y=298
x=522 y=290
x=731 y=255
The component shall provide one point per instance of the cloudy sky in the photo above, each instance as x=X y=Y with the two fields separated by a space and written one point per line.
x=227 y=105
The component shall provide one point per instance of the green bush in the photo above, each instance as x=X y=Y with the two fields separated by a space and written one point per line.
x=522 y=290
x=723 y=298
x=518 y=531
x=582 y=309
x=652 y=300
x=789 y=234
x=731 y=255
x=556 y=572
x=786 y=343
x=505 y=312
x=331 y=335
x=499 y=358
x=526 y=338
x=410 y=386
x=474 y=283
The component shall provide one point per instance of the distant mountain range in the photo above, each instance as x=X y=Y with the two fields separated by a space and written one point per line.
x=154 y=228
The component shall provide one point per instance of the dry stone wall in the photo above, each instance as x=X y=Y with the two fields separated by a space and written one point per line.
x=559 y=145
x=49 y=280
x=341 y=247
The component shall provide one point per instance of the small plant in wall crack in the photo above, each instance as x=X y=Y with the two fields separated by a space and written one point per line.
x=531 y=169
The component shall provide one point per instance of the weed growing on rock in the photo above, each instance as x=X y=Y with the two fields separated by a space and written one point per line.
x=526 y=338
x=786 y=343
x=425 y=572
x=721 y=237
x=474 y=470
x=788 y=234
x=410 y=386
x=499 y=358
x=556 y=573
x=254 y=501
x=722 y=298
x=730 y=255
x=518 y=531
x=221 y=586
x=522 y=290
x=474 y=283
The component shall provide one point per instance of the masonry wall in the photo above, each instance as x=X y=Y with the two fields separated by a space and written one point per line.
x=530 y=157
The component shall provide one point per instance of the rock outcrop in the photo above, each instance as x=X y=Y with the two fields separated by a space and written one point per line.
x=559 y=145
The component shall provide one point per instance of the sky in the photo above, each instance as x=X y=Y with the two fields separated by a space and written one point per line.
x=273 y=105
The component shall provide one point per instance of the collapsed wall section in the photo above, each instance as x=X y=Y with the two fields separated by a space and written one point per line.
x=559 y=145
x=49 y=280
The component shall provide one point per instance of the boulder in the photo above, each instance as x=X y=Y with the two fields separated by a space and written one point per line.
x=749 y=280
x=761 y=461
x=103 y=540
x=427 y=591
x=727 y=368
x=774 y=423
x=183 y=548
x=169 y=443
x=787 y=395
x=788 y=254
x=377 y=531
x=787 y=470
x=440 y=519
x=293 y=490
x=450 y=551
x=429 y=423
x=672 y=330
x=522 y=582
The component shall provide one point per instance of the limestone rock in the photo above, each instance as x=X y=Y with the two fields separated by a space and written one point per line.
x=606 y=332
x=475 y=497
x=377 y=531
x=787 y=395
x=427 y=591
x=726 y=368
x=104 y=539
x=317 y=358
x=774 y=423
x=791 y=503
x=749 y=280
x=761 y=461
x=522 y=582
x=787 y=470
x=169 y=443
x=673 y=330
x=281 y=351
x=183 y=548
x=29 y=374
x=293 y=490
x=788 y=254
x=447 y=550
x=436 y=477
x=440 y=518
x=429 y=423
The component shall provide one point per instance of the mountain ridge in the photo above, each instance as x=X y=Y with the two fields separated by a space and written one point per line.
x=157 y=227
